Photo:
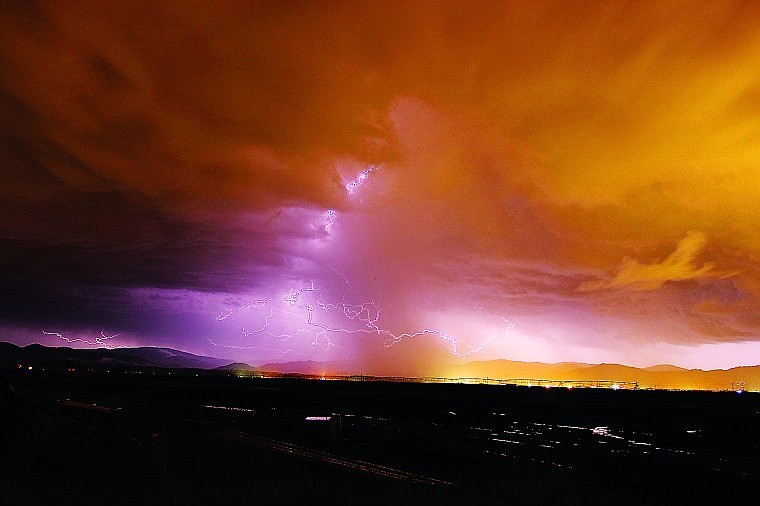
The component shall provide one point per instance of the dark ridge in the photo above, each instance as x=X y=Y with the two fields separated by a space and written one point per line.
x=37 y=354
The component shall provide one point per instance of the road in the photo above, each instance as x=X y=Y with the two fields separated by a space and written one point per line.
x=335 y=460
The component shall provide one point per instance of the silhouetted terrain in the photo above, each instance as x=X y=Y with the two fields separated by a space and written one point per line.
x=661 y=376
x=143 y=357
x=153 y=436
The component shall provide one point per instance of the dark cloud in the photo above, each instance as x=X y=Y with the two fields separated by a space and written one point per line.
x=161 y=162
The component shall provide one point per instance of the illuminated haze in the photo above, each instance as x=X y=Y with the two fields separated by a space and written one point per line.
x=394 y=188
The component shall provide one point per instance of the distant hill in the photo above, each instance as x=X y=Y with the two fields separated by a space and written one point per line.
x=516 y=369
x=663 y=368
x=660 y=376
x=142 y=357
x=237 y=366
x=309 y=367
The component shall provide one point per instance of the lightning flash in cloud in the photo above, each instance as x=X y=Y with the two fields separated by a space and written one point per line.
x=97 y=341
x=313 y=315
x=360 y=180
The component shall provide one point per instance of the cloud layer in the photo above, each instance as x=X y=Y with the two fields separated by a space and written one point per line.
x=552 y=180
x=678 y=266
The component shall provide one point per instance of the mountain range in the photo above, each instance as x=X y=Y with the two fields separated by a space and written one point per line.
x=662 y=376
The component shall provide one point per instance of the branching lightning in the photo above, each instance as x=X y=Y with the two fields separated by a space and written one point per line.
x=365 y=316
x=248 y=305
x=258 y=348
x=330 y=220
x=354 y=185
x=306 y=306
x=294 y=295
x=98 y=341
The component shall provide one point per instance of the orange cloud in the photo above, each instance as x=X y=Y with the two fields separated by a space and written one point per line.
x=678 y=266
x=523 y=148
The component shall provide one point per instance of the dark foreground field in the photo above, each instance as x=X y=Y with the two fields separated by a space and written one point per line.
x=154 y=438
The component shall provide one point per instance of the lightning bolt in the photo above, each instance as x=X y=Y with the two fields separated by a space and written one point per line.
x=330 y=220
x=99 y=341
x=229 y=312
x=261 y=348
x=454 y=345
x=364 y=317
x=354 y=185
x=294 y=295
x=267 y=319
x=366 y=314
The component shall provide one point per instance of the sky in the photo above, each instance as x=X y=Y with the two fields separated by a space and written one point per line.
x=390 y=187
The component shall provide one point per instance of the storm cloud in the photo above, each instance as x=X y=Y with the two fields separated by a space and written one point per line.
x=550 y=181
